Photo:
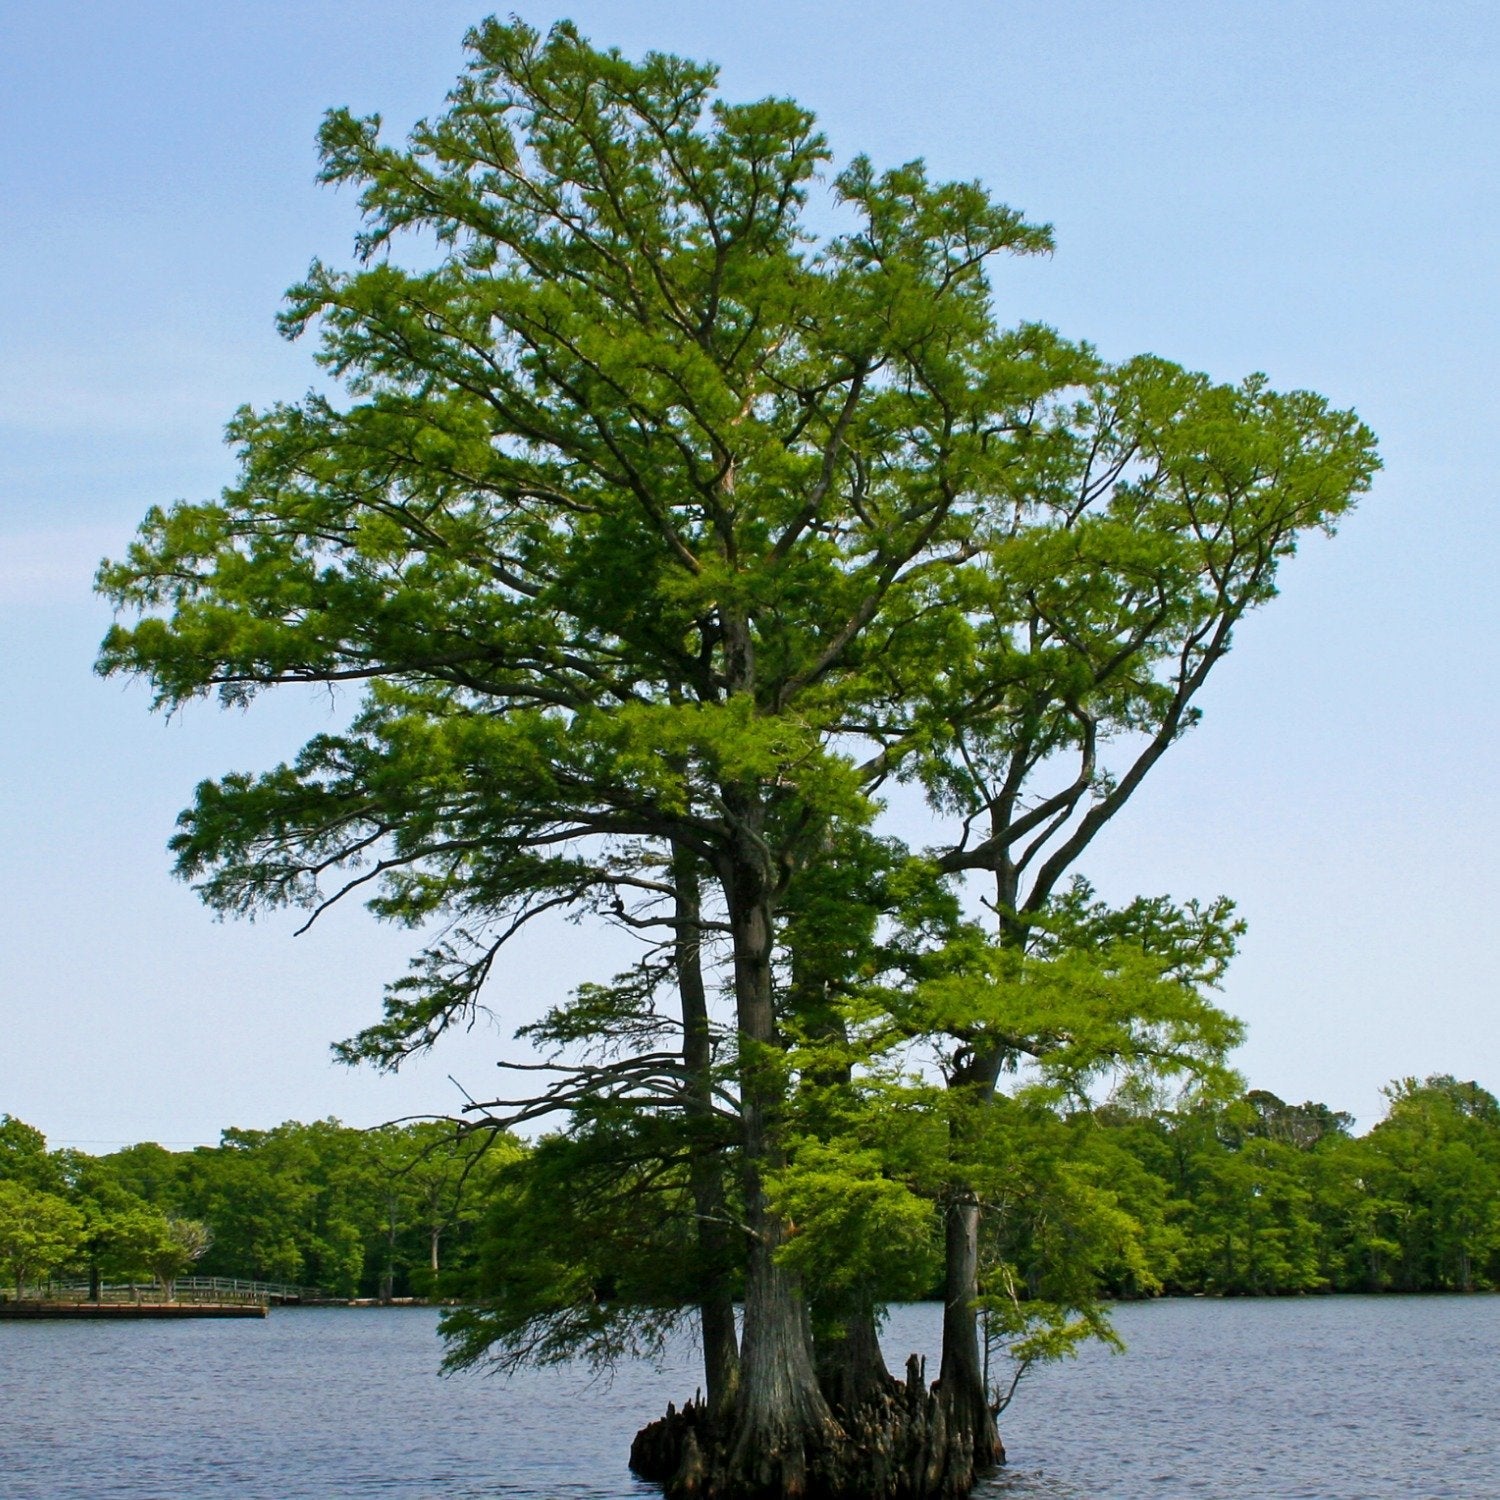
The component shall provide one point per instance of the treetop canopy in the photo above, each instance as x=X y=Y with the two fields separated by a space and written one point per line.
x=650 y=514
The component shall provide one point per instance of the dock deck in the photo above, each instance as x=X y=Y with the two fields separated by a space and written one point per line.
x=70 y=1309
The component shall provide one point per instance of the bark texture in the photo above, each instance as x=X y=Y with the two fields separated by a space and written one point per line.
x=851 y=1368
x=780 y=1421
x=961 y=1381
x=721 y=1353
x=899 y=1445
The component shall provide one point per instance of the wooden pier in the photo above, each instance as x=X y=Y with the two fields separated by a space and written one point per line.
x=116 y=1310
x=184 y=1297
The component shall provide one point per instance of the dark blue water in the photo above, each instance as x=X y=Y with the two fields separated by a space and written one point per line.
x=1341 y=1399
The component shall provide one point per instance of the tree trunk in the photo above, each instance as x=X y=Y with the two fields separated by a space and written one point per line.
x=721 y=1353
x=974 y=1439
x=774 y=1443
x=966 y=1402
x=851 y=1368
x=388 y=1276
x=781 y=1418
x=782 y=1423
x=780 y=1440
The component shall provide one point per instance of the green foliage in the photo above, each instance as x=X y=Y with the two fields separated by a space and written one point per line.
x=24 y=1157
x=1054 y=1227
x=38 y=1232
x=435 y=1186
x=586 y=1251
x=389 y=1212
x=861 y=1229
x=131 y=1244
x=636 y=414
x=1435 y=1172
x=177 y=1246
x=145 y=1172
x=1268 y=1197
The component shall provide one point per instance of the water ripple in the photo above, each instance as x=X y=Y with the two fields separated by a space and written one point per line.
x=1326 y=1399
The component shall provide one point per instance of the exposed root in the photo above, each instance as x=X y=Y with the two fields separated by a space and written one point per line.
x=901 y=1445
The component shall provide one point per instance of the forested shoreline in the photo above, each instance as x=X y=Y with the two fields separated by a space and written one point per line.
x=389 y=1212
x=1250 y=1197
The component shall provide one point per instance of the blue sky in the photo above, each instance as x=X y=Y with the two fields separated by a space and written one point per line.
x=1306 y=189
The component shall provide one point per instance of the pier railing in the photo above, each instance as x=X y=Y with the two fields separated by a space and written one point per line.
x=185 y=1289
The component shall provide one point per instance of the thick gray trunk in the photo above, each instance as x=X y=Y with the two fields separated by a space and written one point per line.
x=851 y=1367
x=721 y=1353
x=962 y=1375
x=781 y=1417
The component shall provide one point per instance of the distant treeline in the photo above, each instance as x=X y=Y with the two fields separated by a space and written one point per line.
x=1252 y=1197
x=1261 y=1196
x=377 y=1213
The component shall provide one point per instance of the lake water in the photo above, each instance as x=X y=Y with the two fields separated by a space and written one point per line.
x=1345 y=1398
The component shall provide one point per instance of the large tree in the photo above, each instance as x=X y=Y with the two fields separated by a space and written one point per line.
x=39 y=1233
x=658 y=531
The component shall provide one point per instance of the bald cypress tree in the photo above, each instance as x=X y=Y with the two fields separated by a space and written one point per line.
x=656 y=531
